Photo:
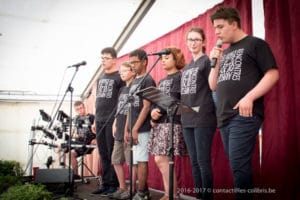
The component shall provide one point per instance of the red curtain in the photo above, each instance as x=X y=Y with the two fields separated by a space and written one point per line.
x=281 y=140
x=222 y=174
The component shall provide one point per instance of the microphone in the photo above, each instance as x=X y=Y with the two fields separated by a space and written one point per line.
x=78 y=64
x=214 y=60
x=163 y=52
x=45 y=116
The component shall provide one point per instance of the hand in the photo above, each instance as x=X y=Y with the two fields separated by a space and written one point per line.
x=135 y=137
x=245 y=106
x=94 y=128
x=216 y=52
x=114 y=131
x=155 y=114
x=126 y=137
x=153 y=124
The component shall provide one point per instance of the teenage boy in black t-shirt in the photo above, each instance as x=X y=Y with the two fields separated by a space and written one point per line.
x=244 y=73
x=121 y=151
x=140 y=120
x=107 y=92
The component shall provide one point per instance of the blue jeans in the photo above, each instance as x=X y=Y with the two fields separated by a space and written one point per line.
x=198 y=142
x=239 y=138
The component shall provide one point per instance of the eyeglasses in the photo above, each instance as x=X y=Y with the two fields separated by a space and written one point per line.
x=135 y=62
x=106 y=58
x=194 y=40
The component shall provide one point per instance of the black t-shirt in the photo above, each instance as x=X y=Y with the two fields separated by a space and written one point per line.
x=242 y=66
x=138 y=102
x=83 y=125
x=122 y=113
x=108 y=87
x=170 y=86
x=195 y=92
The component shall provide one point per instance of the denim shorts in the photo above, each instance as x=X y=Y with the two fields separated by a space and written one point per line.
x=140 y=152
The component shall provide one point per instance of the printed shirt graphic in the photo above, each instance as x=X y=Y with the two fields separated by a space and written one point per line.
x=189 y=81
x=231 y=66
x=165 y=86
x=108 y=88
x=170 y=86
x=123 y=107
x=137 y=100
x=105 y=88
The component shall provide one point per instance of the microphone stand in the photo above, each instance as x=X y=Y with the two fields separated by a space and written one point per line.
x=69 y=89
x=171 y=112
x=30 y=156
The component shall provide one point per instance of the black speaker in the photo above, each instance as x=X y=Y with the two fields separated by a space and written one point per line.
x=56 y=180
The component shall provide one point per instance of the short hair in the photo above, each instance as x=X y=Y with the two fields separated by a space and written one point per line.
x=110 y=50
x=78 y=103
x=140 y=53
x=178 y=57
x=227 y=13
x=126 y=64
x=201 y=32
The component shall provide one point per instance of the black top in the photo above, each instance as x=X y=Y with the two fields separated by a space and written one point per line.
x=108 y=88
x=83 y=126
x=170 y=86
x=122 y=113
x=242 y=66
x=138 y=102
x=195 y=92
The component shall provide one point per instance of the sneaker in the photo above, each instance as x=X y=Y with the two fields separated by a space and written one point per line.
x=142 y=196
x=109 y=191
x=100 y=190
x=76 y=177
x=125 y=195
x=116 y=194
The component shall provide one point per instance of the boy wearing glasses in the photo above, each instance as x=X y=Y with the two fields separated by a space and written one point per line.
x=140 y=121
x=108 y=87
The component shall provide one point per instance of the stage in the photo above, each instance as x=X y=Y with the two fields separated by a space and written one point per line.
x=83 y=191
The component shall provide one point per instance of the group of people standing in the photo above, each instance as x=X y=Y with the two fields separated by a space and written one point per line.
x=244 y=72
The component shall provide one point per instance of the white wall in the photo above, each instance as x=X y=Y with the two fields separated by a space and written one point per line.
x=258 y=18
x=16 y=121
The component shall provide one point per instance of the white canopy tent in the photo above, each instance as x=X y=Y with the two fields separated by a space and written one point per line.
x=40 y=38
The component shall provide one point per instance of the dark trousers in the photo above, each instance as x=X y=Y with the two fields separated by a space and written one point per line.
x=105 y=142
x=239 y=138
x=198 y=142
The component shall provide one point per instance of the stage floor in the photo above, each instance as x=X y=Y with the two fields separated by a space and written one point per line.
x=83 y=191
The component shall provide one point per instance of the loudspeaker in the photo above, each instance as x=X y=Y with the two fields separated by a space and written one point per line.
x=56 y=180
